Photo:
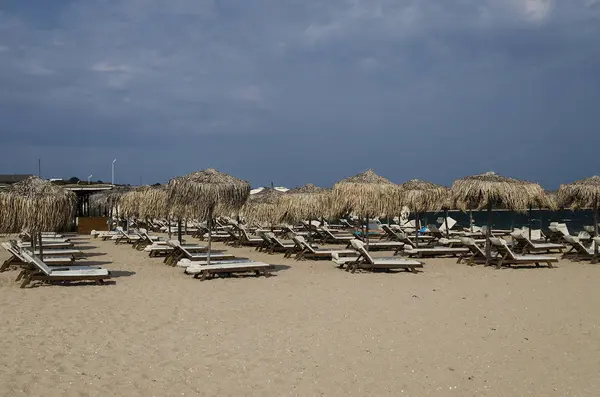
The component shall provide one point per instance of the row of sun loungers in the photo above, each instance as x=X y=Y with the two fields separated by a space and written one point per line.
x=56 y=266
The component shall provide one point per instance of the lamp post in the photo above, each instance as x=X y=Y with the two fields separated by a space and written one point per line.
x=89 y=178
x=113 y=171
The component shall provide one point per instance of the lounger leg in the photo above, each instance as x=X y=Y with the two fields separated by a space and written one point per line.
x=203 y=276
x=6 y=264
x=20 y=275
x=25 y=281
x=550 y=265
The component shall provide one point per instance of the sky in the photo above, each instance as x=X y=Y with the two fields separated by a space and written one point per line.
x=301 y=91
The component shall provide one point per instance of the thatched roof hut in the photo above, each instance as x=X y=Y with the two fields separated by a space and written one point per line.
x=201 y=192
x=305 y=203
x=36 y=205
x=422 y=196
x=366 y=194
x=491 y=190
x=264 y=206
x=584 y=193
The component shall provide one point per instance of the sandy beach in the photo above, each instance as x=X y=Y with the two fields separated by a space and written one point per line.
x=310 y=330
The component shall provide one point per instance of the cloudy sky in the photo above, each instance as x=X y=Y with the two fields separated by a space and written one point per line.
x=298 y=91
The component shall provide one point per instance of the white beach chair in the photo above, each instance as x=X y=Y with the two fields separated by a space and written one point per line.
x=366 y=262
x=41 y=272
x=508 y=257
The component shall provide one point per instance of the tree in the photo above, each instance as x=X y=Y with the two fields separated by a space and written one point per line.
x=74 y=180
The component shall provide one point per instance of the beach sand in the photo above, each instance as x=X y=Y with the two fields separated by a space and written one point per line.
x=312 y=329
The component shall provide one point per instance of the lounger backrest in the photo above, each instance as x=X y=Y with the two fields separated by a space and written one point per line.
x=13 y=251
x=575 y=243
x=473 y=247
x=360 y=247
x=32 y=259
x=300 y=240
x=245 y=233
x=502 y=246
x=265 y=237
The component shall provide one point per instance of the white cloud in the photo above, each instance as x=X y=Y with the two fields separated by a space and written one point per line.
x=107 y=67
x=536 y=10
x=249 y=93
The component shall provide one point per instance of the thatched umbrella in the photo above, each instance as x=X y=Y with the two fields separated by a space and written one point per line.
x=306 y=202
x=367 y=194
x=421 y=196
x=201 y=192
x=491 y=190
x=264 y=206
x=584 y=193
x=36 y=205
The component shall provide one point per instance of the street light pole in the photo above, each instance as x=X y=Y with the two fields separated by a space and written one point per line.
x=113 y=172
x=89 y=178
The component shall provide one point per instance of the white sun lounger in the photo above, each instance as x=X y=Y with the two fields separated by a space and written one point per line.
x=507 y=257
x=527 y=246
x=241 y=266
x=367 y=262
x=41 y=272
x=18 y=259
x=308 y=251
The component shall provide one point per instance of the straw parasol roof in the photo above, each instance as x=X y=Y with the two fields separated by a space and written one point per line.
x=199 y=193
x=367 y=194
x=264 y=206
x=422 y=196
x=36 y=205
x=584 y=193
x=493 y=190
x=305 y=202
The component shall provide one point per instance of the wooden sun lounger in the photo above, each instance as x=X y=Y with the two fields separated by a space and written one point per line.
x=328 y=236
x=477 y=254
x=206 y=271
x=366 y=262
x=578 y=251
x=309 y=251
x=434 y=251
x=41 y=272
x=181 y=252
x=17 y=258
x=56 y=245
x=527 y=246
x=507 y=257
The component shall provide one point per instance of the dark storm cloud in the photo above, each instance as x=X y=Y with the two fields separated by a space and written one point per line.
x=301 y=91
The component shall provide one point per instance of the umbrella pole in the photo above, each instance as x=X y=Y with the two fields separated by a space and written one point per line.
x=209 y=224
x=471 y=219
x=239 y=226
x=179 y=230
x=186 y=222
x=488 y=234
x=530 y=224
x=595 y=226
x=417 y=229
x=169 y=226
x=367 y=232
x=309 y=229
x=446 y=223
x=41 y=248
